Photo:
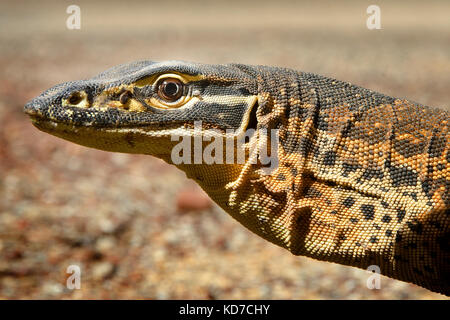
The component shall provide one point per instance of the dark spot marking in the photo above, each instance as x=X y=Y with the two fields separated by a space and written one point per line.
x=322 y=123
x=388 y=233
x=349 y=202
x=426 y=187
x=353 y=220
x=329 y=158
x=430 y=169
x=368 y=210
x=384 y=204
x=281 y=177
x=349 y=168
x=437 y=145
x=402 y=176
x=373 y=240
x=400 y=214
x=408 y=149
x=386 y=219
x=372 y=173
x=305 y=145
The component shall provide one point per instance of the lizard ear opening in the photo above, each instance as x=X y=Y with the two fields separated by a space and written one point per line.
x=252 y=120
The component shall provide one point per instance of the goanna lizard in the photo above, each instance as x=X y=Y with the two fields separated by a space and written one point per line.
x=361 y=178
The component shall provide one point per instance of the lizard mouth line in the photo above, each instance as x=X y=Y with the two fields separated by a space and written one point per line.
x=41 y=120
x=50 y=125
x=61 y=125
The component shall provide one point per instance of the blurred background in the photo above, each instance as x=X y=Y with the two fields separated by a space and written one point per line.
x=135 y=225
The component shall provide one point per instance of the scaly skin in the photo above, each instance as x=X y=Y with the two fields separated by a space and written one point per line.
x=362 y=178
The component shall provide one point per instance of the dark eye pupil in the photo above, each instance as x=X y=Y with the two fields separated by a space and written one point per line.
x=171 y=89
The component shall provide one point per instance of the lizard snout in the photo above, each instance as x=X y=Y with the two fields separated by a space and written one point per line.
x=34 y=108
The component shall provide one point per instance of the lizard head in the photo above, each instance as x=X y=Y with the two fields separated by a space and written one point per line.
x=137 y=107
x=152 y=108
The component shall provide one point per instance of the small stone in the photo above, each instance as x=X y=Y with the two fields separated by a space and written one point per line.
x=193 y=200
x=107 y=226
x=52 y=288
x=102 y=270
x=105 y=244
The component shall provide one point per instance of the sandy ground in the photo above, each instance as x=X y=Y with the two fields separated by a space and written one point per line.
x=118 y=216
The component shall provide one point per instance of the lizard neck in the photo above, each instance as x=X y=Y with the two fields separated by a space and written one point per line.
x=340 y=192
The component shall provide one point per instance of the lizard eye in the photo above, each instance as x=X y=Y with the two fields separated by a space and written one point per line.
x=170 y=89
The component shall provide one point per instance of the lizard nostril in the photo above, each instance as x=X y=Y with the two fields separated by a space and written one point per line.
x=75 y=98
